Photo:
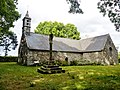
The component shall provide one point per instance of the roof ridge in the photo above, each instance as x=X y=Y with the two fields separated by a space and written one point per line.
x=96 y=36
x=55 y=36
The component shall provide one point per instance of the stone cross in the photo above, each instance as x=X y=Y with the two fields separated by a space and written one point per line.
x=49 y=69
x=51 y=42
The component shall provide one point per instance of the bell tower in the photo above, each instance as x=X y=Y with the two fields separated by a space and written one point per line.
x=26 y=24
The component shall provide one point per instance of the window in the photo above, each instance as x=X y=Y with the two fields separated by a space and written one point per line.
x=110 y=50
x=28 y=20
x=27 y=23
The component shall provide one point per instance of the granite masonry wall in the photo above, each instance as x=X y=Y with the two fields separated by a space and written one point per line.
x=43 y=56
x=100 y=58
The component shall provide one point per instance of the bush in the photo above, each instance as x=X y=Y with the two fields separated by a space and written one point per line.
x=61 y=63
x=73 y=63
x=8 y=59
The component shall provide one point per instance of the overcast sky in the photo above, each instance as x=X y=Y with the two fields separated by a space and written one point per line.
x=89 y=24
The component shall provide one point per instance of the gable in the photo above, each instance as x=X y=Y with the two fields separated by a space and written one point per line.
x=94 y=43
x=41 y=42
x=110 y=44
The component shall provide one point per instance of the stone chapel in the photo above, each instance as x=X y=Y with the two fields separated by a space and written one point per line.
x=35 y=47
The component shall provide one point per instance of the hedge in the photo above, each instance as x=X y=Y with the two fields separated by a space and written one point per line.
x=8 y=59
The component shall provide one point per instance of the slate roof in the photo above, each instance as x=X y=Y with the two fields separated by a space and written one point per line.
x=41 y=42
x=94 y=43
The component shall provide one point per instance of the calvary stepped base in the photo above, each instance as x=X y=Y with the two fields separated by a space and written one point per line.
x=50 y=69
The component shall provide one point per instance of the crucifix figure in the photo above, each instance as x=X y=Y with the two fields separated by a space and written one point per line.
x=51 y=42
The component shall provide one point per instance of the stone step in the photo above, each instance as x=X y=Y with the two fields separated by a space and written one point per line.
x=50 y=70
x=50 y=66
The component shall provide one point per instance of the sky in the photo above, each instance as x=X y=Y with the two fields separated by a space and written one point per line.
x=90 y=24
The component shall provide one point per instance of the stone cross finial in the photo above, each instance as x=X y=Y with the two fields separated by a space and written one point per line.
x=27 y=15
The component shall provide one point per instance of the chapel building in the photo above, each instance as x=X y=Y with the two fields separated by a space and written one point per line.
x=35 y=47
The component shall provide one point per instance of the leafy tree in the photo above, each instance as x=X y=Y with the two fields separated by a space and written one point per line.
x=8 y=15
x=74 y=6
x=58 y=29
x=111 y=8
x=119 y=56
x=9 y=41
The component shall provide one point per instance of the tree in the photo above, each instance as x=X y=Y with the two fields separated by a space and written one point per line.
x=9 y=41
x=8 y=15
x=74 y=6
x=58 y=29
x=111 y=8
x=119 y=56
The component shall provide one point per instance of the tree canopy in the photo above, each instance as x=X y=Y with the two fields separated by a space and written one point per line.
x=58 y=29
x=8 y=42
x=111 y=8
x=8 y=15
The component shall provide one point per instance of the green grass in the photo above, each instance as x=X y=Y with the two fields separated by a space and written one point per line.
x=16 y=77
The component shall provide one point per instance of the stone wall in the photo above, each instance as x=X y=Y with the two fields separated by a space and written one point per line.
x=110 y=53
x=68 y=55
x=81 y=58
x=43 y=56
x=40 y=56
x=93 y=58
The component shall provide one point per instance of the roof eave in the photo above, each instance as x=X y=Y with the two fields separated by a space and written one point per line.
x=65 y=51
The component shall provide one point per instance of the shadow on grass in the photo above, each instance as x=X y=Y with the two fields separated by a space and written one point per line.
x=106 y=82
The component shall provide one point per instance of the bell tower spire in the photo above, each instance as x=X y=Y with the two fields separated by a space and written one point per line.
x=26 y=24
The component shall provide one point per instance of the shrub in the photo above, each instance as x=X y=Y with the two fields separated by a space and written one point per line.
x=65 y=63
x=8 y=59
x=61 y=63
x=73 y=63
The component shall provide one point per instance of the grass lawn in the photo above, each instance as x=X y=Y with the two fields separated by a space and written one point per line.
x=16 y=77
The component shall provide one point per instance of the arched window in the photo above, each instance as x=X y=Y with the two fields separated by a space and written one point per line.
x=110 y=50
